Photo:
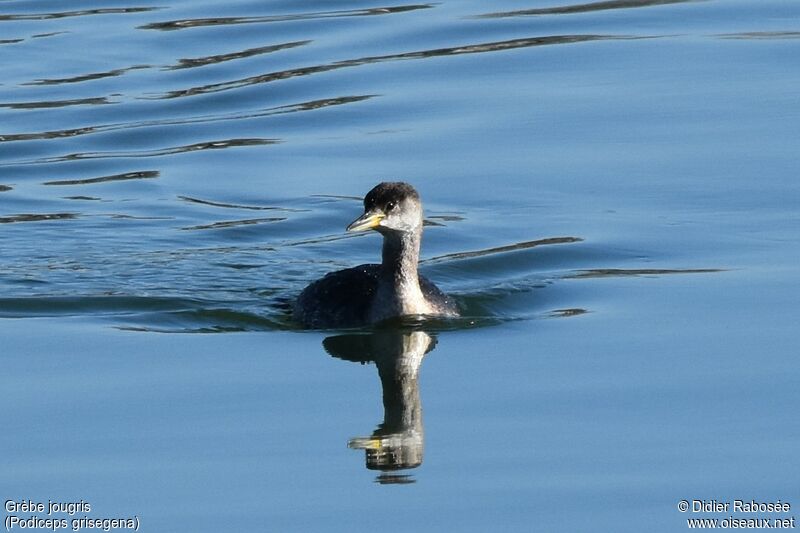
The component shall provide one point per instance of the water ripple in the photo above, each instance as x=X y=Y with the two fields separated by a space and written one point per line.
x=79 y=13
x=584 y=8
x=280 y=110
x=87 y=77
x=28 y=217
x=218 y=21
x=56 y=103
x=503 y=249
x=36 y=36
x=761 y=35
x=622 y=272
x=221 y=58
x=77 y=305
x=142 y=174
x=209 y=145
x=235 y=223
x=438 y=52
x=237 y=206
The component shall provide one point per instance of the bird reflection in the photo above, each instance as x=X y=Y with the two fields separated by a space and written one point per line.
x=397 y=443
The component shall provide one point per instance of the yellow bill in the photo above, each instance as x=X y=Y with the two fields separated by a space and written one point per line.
x=368 y=220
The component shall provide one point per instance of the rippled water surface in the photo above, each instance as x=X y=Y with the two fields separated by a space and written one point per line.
x=611 y=194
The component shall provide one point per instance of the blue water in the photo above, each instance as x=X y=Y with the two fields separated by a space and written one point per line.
x=611 y=194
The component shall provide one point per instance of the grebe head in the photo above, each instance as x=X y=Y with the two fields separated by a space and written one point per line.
x=390 y=208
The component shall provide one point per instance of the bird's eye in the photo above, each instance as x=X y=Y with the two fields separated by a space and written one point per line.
x=390 y=206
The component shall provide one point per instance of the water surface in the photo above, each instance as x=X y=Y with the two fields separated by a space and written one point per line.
x=610 y=192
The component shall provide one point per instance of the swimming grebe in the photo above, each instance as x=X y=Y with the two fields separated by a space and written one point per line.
x=367 y=294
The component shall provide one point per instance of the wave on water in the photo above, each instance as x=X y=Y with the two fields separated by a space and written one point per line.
x=493 y=285
x=143 y=184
